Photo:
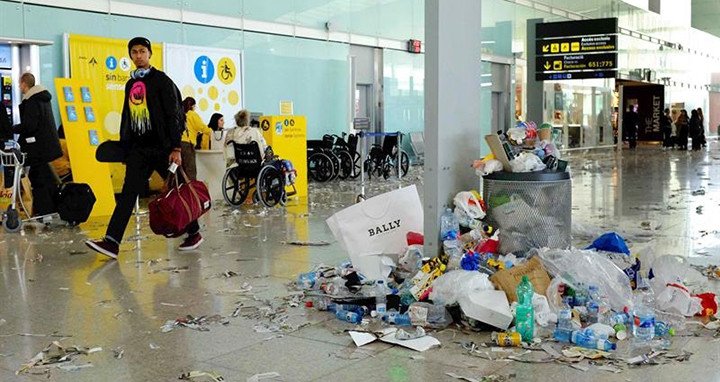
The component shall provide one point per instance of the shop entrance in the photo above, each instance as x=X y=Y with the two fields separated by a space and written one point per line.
x=640 y=109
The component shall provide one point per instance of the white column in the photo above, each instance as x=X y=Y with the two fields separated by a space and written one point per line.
x=452 y=106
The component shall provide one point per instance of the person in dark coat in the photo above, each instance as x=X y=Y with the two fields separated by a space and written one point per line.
x=39 y=141
x=682 y=123
x=666 y=129
x=694 y=129
x=630 y=123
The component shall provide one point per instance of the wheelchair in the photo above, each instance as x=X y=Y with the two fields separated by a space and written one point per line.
x=269 y=177
x=347 y=153
x=323 y=163
x=382 y=160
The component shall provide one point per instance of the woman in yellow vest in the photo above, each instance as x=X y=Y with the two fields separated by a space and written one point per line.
x=193 y=126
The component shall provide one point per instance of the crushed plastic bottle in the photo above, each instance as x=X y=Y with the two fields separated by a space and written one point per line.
x=307 y=280
x=454 y=253
x=351 y=317
x=395 y=318
x=525 y=314
x=588 y=340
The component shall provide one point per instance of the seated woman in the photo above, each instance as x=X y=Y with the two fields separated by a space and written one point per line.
x=243 y=134
x=217 y=124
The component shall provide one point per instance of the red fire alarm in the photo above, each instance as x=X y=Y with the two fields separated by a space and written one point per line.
x=414 y=46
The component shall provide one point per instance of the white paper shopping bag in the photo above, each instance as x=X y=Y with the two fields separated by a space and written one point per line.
x=377 y=226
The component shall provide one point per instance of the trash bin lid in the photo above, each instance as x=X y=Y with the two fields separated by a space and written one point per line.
x=537 y=176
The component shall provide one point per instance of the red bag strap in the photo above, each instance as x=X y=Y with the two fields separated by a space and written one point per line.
x=192 y=189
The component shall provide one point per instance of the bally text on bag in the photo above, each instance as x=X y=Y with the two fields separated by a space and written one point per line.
x=384 y=228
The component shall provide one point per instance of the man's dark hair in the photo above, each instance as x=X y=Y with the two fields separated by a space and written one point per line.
x=28 y=79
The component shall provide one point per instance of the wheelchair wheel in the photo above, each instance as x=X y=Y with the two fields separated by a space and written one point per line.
x=346 y=164
x=404 y=163
x=320 y=167
x=235 y=189
x=390 y=165
x=11 y=221
x=335 y=164
x=356 y=163
x=270 y=186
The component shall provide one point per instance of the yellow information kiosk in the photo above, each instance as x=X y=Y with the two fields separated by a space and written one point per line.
x=84 y=134
x=287 y=134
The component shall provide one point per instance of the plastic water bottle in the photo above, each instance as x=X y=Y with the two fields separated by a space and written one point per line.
x=380 y=297
x=351 y=317
x=398 y=319
x=643 y=323
x=588 y=340
x=524 y=314
x=307 y=280
x=454 y=252
x=359 y=309
x=592 y=308
x=564 y=329
x=449 y=226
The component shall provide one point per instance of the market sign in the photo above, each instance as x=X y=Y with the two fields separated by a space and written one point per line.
x=576 y=49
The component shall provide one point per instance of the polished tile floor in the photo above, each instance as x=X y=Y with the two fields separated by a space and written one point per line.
x=52 y=288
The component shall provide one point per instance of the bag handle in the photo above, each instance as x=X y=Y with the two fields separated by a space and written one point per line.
x=190 y=186
x=177 y=188
x=390 y=199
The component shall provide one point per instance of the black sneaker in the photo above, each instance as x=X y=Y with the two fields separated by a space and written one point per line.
x=191 y=243
x=104 y=246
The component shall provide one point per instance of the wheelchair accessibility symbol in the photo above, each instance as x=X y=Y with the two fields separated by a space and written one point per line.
x=265 y=125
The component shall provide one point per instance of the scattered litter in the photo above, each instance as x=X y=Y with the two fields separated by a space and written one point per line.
x=388 y=335
x=171 y=269
x=38 y=258
x=202 y=376
x=195 y=323
x=154 y=346
x=457 y=376
x=64 y=288
x=263 y=376
x=581 y=368
x=136 y=238
x=698 y=192
x=171 y=304
x=321 y=243
x=118 y=353
x=55 y=355
x=609 y=368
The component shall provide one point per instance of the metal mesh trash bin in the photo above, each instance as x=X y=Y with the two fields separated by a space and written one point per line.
x=532 y=210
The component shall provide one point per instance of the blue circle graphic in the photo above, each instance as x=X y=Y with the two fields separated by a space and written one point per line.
x=111 y=62
x=204 y=69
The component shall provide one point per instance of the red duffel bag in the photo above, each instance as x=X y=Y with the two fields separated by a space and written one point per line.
x=173 y=211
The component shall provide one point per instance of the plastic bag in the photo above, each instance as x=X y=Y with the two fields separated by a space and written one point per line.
x=672 y=269
x=543 y=314
x=455 y=285
x=468 y=205
x=675 y=298
x=589 y=268
x=527 y=162
x=610 y=242
x=486 y=167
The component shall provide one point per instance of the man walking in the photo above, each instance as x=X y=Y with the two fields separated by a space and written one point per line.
x=39 y=141
x=150 y=131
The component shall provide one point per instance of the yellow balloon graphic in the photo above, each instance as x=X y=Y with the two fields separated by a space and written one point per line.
x=112 y=123
x=200 y=90
x=188 y=91
x=226 y=70
x=203 y=104
x=213 y=93
x=233 y=97
x=217 y=107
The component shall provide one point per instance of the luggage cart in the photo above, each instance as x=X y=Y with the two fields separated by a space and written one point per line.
x=13 y=163
x=363 y=146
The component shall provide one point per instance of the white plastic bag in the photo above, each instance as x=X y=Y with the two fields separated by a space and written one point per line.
x=466 y=202
x=678 y=300
x=543 y=314
x=527 y=162
x=589 y=268
x=449 y=288
x=488 y=167
x=675 y=269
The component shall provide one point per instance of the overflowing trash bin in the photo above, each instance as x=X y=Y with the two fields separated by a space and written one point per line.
x=533 y=209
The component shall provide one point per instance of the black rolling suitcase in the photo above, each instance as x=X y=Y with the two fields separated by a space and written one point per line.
x=75 y=201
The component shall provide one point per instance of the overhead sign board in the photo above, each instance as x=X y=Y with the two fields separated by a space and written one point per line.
x=582 y=49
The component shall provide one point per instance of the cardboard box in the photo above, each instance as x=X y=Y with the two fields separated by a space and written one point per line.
x=488 y=306
x=508 y=280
